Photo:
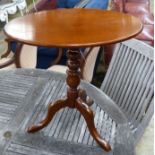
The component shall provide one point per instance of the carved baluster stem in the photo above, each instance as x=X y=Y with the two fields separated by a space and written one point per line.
x=73 y=76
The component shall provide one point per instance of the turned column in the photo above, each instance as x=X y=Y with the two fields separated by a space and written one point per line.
x=73 y=76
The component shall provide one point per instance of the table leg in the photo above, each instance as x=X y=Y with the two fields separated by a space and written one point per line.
x=74 y=99
x=52 y=109
x=87 y=113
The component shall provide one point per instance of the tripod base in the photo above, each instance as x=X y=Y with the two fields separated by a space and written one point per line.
x=83 y=106
x=76 y=98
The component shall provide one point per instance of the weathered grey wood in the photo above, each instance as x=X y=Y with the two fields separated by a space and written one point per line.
x=30 y=92
x=129 y=83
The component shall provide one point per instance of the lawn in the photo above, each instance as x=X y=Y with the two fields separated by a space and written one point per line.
x=29 y=3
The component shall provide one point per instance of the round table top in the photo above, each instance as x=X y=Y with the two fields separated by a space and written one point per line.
x=73 y=28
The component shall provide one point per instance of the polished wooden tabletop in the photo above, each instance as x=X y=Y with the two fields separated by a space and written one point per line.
x=73 y=28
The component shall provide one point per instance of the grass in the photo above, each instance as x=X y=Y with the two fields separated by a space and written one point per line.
x=29 y=3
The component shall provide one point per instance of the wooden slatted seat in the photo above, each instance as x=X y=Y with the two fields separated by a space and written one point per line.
x=25 y=103
x=129 y=83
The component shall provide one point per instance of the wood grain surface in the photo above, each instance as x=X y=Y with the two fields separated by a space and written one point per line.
x=73 y=28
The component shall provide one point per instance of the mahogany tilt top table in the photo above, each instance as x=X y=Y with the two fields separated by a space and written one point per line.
x=73 y=28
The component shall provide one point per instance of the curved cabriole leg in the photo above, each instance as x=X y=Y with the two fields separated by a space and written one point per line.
x=52 y=109
x=89 y=118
